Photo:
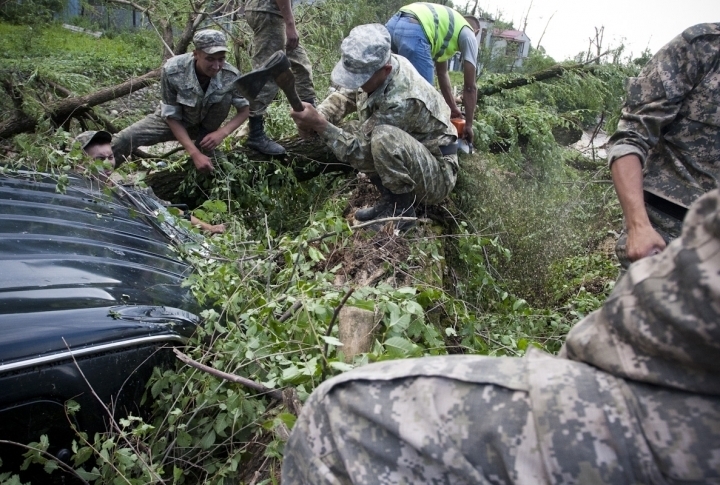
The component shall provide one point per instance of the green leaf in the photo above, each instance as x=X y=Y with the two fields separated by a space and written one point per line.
x=400 y=346
x=86 y=475
x=208 y=440
x=177 y=473
x=341 y=366
x=184 y=440
x=399 y=322
x=414 y=308
x=288 y=419
x=518 y=303
x=50 y=466
x=363 y=304
x=291 y=373
x=82 y=455
x=332 y=340
x=315 y=255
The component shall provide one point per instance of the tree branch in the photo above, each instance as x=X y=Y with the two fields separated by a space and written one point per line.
x=62 y=110
x=332 y=324
x=549 y=73
x=273 y=393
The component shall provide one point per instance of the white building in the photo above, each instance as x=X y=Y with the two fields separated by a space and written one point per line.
x=512 y=45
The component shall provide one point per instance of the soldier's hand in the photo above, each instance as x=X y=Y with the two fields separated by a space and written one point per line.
x=212 y=140
x=309 y=120
x=456 y=113
x=643 y=242
x=202 y=163
x=216 y=229
x=292 y=36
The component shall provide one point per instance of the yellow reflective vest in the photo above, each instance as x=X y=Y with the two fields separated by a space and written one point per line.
x=441 y=25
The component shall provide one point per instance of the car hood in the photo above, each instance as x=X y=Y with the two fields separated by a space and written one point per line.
x=86 y=265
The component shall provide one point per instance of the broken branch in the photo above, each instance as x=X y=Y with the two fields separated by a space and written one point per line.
x=273 y=393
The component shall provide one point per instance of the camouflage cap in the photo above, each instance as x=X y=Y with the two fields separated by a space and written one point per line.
x=210 y=41
x=87 y=137
x=363 y=52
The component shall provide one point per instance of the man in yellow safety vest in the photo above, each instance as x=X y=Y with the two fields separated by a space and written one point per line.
x=428 y=35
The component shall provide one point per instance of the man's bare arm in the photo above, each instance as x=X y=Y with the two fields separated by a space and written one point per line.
x=642 y=239
x=469 y=99
x=212 y=140
x=291 y=33
x=201 y=161
x=446 y=89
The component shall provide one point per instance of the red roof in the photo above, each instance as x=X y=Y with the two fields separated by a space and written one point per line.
x=509 y=34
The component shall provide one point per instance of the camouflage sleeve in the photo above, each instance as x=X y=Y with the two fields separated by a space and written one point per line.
x=654 y=99
x=169 y=107
x=351 y=143
x=338 y=105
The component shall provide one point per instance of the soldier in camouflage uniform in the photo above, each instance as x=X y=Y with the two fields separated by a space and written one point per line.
x=273 y=26
x=666 y=150
x=403 y=137
x=634 y=397
x=197 y=90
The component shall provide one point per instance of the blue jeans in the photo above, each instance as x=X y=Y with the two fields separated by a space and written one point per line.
x=408 y=39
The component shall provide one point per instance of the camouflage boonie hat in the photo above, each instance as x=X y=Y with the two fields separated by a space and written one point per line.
x=364 y=51
x=87 y=137
x=210 y=41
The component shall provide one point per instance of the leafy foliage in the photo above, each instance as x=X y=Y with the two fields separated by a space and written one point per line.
x=32 y=12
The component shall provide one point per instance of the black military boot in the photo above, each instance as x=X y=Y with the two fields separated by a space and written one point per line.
x=395 y=205
x=259 y=141
x=370 y=212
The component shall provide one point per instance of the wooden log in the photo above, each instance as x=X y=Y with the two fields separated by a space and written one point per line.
x=356 y=330
x=62 y=110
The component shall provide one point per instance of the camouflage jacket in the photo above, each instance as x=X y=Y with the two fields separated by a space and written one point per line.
x=183 y=98
x=405 y=101
x=671 y=117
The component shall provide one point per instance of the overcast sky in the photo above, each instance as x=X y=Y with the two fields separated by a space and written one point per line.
x=636 y=23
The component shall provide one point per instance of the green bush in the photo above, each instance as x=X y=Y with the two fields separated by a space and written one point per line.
x=30 y=12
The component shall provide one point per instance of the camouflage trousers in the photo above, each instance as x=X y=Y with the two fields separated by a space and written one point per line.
x=153 y=129
x=479 y=420
x=268 y=38
x=667 y=226
x=405 y=165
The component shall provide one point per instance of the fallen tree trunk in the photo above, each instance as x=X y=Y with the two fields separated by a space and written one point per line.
x=549 y=73
x=62 y=110
x=309 y=159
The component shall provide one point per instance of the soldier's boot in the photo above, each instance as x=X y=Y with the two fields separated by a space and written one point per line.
x=259 y=141
x=370 y=213
x=396 y=205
